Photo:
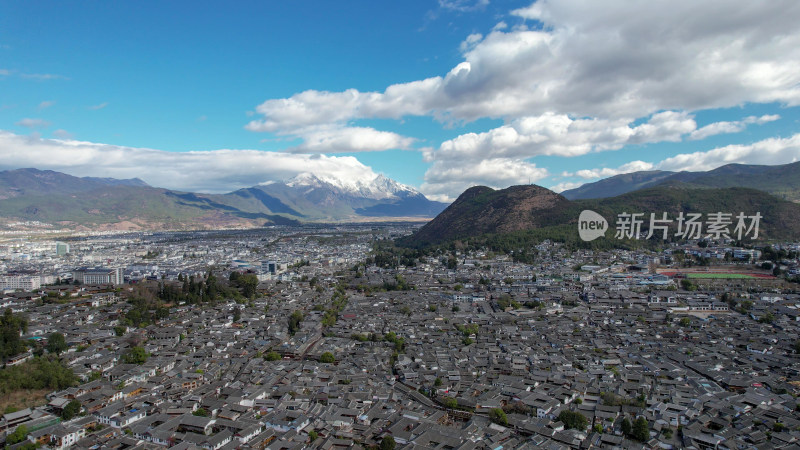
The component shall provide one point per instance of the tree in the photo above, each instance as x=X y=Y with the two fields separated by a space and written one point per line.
x=626 y=427
x=272 y=356
x=312 y=435
x=237 y=314
x=200 y=412
x=71 y=410
x=573 y=420
x=437 y=382
x=18 y=435
x=56 y=343
x=294 y=322
x=450 y=403
x=498 y=416
x=327 y=358
x=11 y=326
x=120 y=330
x=248 y=283
x=641 y=430
x=387 y=443
x=136 y=355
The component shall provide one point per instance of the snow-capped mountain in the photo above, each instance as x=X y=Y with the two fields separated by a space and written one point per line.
x=313 y=196
x=377 y=187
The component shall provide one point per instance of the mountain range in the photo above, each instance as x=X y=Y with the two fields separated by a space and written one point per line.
x=782 y=181
x=525 y=214
x=107 y=203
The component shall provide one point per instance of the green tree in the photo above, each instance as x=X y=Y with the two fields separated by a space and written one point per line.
x=626 y=427
x=437 y=382
x=498 y=416
x=248 y=283
x=641 y=430
x=387 y=443
x=327 y=358
x=136 y=355
x=56 y=343
x=450 y=402
x=71 y=410
x=18 y=435
x=272 y=356
x=573 y=420
x=120 y=330
x=294 y=322
x=313 y=435
x=237 y=314
x=200 y=412
x=11 y=326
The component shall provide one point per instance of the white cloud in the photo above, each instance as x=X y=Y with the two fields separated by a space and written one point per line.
x=730 y=127
x=470 y=42
x=592 y=59
x=350 y=139
x=62 y=134
x=500 y=26
x=98 y=106
x=768 y=151
x=633 y=166
x=43 y=76
x=199 y=171
x=33 y=123
x=46 y=104
x=551 y=134
x=463 y=5
x=561 y=187
x=446 y=180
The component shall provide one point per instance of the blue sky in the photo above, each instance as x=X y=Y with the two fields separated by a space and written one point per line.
x=213 y=96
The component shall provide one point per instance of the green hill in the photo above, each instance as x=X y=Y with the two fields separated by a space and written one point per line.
x=782 y=181
x=521 y=215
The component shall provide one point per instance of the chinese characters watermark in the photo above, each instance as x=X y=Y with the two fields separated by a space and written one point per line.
x=717 y=225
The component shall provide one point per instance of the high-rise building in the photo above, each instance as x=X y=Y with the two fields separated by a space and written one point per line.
x=62 y=248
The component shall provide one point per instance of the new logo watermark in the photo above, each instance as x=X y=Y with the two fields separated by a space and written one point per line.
x=592 y=225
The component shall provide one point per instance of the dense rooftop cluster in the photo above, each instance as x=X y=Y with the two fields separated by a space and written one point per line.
x=579 y=349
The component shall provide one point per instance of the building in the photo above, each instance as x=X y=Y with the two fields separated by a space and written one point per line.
x=270 y=267
x=62 y=248
x=100 y=275
x=747 y=254
x=20 y=282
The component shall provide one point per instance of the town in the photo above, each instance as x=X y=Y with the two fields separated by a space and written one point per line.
x=325 y=336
